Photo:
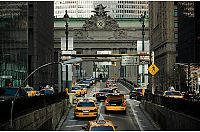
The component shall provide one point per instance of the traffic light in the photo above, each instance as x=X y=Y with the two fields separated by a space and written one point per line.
x=138 y=79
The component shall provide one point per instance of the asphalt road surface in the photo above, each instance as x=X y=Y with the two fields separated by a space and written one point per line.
x=134 y=119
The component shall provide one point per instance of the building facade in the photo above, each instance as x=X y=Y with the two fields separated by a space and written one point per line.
x=189 y=36
x=163 y=41
x=14 y=42
x=189 y=43
x=26 y=39
x=116 y=8
x=102 y=33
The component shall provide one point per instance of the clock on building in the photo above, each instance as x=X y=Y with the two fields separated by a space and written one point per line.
x=100 y=23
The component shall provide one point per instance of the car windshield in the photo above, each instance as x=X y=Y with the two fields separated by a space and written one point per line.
x=76 y=88
x=86 y=104
x=28 y=89
x=102 y=128
x=176 y=93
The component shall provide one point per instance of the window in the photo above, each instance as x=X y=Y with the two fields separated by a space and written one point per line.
x=175 y=12
x=176 y=35
x=175 y=24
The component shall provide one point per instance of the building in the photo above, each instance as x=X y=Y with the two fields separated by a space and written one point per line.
x=116 y=8
x=189 y=32
x=163 y=25
x=99 y=34
x=189 y=42
x=26 y=39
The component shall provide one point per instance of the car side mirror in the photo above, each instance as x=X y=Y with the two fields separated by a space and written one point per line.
x=115 y=126
x=93 y=95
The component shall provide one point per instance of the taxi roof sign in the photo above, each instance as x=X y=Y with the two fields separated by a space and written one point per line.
x=153 y=69
x=100 y=119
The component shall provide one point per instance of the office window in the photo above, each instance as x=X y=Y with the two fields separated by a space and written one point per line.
x=176 y=24
x=175 y=12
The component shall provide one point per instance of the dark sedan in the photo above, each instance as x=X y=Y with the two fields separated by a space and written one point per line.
x=101 y=95
x=190 y=96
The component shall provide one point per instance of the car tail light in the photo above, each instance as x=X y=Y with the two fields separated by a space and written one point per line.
x=107 y=104
x=124 y=104
x=97 y=94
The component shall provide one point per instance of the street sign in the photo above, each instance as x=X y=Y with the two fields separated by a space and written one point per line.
x=153 y=69
x=127 y=60
x=130 y=60
x=136 y=60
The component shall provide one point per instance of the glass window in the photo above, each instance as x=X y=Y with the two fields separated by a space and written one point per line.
x=175 y=12
x=175 y=35
x=175 y=24
x=102 y=128
x=86 y=104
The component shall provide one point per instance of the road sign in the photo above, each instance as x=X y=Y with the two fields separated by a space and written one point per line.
x=136 y=60
x=153 y=69
x=130 y=60
x=127 y=60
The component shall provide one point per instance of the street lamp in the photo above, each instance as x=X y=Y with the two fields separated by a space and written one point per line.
x=72 y=61
x=143 y=33
x=66 y=19
x=142 y=18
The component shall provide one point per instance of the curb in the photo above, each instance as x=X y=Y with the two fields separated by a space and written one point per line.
x=63 y=118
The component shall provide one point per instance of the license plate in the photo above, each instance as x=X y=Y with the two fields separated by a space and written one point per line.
x=86 y=111
x=113 y=104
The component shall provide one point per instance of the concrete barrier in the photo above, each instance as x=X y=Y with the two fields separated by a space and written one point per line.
x=170 y=120
x=46 y=118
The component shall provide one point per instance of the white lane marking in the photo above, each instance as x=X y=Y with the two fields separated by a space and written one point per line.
x=136 y=117
x=100 y=105
x=76 y=125
x=72 y=120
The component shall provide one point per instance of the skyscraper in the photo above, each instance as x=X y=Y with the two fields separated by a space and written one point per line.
x=188 y=32
x=26 y=41
x=116 y=8
x=163 y=41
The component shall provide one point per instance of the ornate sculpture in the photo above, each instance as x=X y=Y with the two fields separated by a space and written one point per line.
x=100 y=20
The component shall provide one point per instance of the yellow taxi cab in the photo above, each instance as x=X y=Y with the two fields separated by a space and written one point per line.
x=173 y=94
x=100 y=125
x=89 y=96
x=85 y=108
x=92 y=97
x=115 y=102
x=30 y=91
x=83 y=86
x=78 y=90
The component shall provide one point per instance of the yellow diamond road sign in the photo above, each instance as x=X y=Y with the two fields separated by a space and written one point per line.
x=153 y=69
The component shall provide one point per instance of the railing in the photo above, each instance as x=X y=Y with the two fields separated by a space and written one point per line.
x=27 y=105
x=126 y=83
x=187 y=107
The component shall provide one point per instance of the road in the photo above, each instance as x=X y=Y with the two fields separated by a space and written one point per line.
x=134 y=119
